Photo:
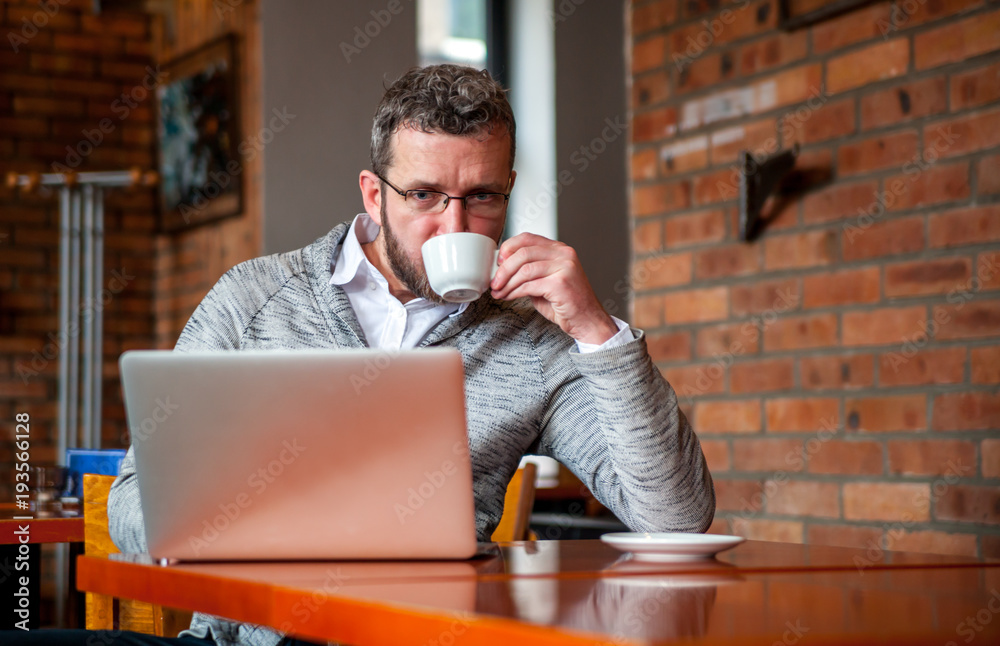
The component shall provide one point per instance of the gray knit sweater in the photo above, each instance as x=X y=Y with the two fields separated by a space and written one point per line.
x=609 y=416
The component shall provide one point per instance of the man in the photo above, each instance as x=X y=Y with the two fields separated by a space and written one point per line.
x=547 y=369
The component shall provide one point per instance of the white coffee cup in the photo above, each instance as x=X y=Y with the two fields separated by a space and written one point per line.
x=460 y=266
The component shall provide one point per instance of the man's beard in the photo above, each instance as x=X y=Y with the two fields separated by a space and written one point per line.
x=413 y=277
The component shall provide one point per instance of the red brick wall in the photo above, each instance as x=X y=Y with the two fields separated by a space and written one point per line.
x=62 y=71
x=843 y=370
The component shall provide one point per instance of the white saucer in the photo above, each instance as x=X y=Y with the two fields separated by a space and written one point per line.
x=671 y=546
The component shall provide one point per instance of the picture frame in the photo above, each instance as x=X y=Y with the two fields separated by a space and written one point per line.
x=198 y=133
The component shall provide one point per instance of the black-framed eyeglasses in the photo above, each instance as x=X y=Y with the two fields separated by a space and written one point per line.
x=432 y=202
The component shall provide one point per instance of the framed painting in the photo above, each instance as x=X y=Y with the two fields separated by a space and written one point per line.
x=198 y=131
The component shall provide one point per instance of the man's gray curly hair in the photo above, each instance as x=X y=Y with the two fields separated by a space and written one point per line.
x=449 y=99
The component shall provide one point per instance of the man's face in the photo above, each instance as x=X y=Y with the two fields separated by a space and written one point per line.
x=438 y=162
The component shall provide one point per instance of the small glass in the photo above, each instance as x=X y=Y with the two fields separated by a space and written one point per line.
x=46 y=485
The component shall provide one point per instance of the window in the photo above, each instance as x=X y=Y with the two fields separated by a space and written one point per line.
x=452 y=31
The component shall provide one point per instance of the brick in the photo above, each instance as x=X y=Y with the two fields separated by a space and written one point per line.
x=661 y=271
x=932 y=542
x=727 y=417
x=967 y=320
x=877 y=153
x=653 y=125
x=774 y=51
x=649 y=53
x=767 y=455
x=801 y=332
x=839 y=200
x=844 y=535
x=957 y=41
x=763 y=95
x=62 y=64
x=716 y=455
x=726 y=261
x=969 y=504
x=920 y=278
x=976 y=87
x=792 y=251
x=660 y=198
x=87 y=44
x=784 y=531
x=967 y=411
x=873 y=63
x=758 y=137
x=653 y=16
x=904 y=102
x=833 y=120
x=650 y=89
x=24 y=127
x=37 y=106
x=837 y=372
x=977 y=131
x=852 y=27
x=739 y=495
x=803 y=498
x=988 y=271
x=762 y=376
x=44 y=20
x=695 y=228
x=644 y=165
x=716 y=187
x=932 y=457
x=847 y=458
x=669 y=347
x=774 y=297
x=841 y=288
x=696 y=305
x=941 y=366
x=990 y=450
x=703 y=71
x=696 y=381
x=684 y=155
x=647 y=237
x=802 y=415
x=886 y=501
x=888 y=238
x=886 y=414
x=935 y=185
x=120 y=23
x=988 y=175
x=725 y=340
x=647 y=311
x=985 y=365
x=976 y=225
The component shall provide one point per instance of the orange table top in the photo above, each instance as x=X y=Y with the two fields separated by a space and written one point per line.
x=576 y=592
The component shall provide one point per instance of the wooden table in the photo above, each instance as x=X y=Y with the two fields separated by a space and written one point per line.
x=582 y=592
x=62 y=529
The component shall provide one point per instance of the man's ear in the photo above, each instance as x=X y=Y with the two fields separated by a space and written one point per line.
x=371 y=193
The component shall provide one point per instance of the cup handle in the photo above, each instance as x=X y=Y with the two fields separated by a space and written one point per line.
x=496 y=258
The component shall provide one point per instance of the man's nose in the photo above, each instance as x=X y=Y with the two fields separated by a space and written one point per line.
x=455 y=218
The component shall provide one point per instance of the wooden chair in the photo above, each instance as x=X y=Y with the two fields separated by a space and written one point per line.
x=109 y=613
x=517 y=504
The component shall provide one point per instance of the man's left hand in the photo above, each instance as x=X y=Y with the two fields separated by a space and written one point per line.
x=550 y=273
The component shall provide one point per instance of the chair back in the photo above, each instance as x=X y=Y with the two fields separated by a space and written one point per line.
x=517 y=504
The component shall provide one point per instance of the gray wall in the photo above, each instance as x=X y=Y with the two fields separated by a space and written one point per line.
x=590 y=97
x=311 y=166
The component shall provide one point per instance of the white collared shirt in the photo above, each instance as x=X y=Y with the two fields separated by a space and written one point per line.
x=389 y=324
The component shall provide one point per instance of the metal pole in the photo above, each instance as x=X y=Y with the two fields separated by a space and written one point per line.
x=73 y=332
x=64 y=206
x=87 y=313
x=98 y=330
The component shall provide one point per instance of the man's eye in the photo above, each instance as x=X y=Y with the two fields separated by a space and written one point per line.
x=483 y=197
x=422 y=196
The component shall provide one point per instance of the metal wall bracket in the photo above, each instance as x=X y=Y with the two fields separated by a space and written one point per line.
x=757 y=181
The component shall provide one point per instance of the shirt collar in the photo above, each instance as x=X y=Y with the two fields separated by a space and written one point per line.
x=353 y=261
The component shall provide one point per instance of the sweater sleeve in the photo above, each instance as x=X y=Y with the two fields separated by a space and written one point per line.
x=614 y=421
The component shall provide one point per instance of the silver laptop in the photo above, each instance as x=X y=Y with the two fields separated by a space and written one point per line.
x=308 y=454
